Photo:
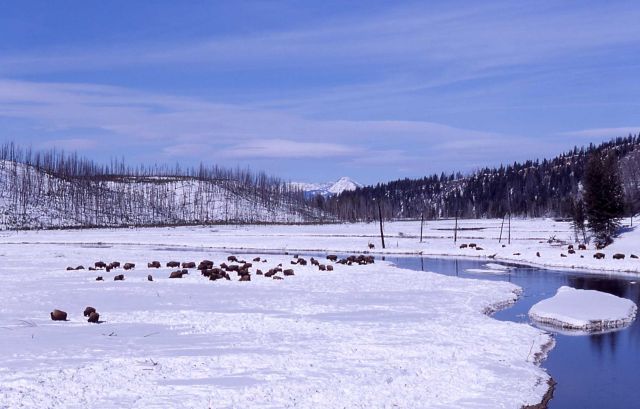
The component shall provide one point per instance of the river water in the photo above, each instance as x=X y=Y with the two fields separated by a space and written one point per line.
x=592 y=371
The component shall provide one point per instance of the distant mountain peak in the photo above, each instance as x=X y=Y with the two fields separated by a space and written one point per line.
x=328 y=189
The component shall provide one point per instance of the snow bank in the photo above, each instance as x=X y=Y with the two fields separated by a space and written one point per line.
x=584 y=310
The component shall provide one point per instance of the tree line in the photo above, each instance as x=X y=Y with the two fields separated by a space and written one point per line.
x=532 y=188
x=48 y=189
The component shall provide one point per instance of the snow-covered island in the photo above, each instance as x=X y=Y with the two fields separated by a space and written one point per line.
x=586 y=310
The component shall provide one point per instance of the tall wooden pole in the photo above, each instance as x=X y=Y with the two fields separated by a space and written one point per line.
x=455 y=229
x=501 y=226
x=509 y=216
x=421 y=226
x=381 y=231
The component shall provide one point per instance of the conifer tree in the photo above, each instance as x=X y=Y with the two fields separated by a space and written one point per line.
x=603 y=197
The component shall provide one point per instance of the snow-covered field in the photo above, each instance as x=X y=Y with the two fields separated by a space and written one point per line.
x=360 y=336
x=529 y=237
x=587 y=310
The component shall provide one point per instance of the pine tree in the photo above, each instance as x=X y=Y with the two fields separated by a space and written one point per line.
x=603 y=197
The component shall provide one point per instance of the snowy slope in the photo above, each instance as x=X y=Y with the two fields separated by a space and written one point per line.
x=33 y=199
x=328 y=189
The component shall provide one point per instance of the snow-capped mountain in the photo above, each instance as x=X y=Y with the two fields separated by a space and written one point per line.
x=328 y=189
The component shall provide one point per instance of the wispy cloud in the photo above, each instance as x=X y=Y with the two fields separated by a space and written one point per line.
x=175 y=128
x=604 y=132
x=476 y=37
x=282 y=148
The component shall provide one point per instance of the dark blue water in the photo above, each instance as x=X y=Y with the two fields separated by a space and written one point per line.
x=592 y=371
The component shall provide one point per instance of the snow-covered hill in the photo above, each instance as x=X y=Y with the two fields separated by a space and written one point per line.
x=328 y=189
x=33 y=199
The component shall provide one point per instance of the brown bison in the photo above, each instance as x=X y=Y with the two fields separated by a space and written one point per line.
x=232 y=259
x=288 y=272
x=99 y=278
x=173 y=264
x=100 y=264
x=277 y=278
x=129 y=266
x=329 y=267
x=189 y=264
x=149 y=277
x=88 y=311
x=245 y=277
x=58 y=315
x=94 y=317
x=177 y=274
x=119 y=277
x=256 y=260
x=205 y=265
x=633 y=256
x=371 y=246
x=463 y=246
x=618 y=256
x=154 y=264
x=582 y=246
x=332 y=257
x=598 y=256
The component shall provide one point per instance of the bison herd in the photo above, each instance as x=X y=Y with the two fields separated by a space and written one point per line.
x=223 y=271
x=570 y=250
x=233 y=264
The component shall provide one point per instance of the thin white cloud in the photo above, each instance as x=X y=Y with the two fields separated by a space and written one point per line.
x=604 y=132
x=71 y=144
x=282 y=148
x=177 y=127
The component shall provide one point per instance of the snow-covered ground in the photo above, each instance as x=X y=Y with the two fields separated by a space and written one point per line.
x=361 y=336
x=529 y=237
x=586 y=310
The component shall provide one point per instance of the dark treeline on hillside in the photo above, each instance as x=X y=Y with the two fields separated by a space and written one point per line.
x=54 y=189
x=531 y=189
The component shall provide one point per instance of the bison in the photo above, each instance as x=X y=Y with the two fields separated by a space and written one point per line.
x=598 y=256
x=58 y=315
x=154 y=264
x=94 y=317
x=463 y=246
x=582 y=246
x=176 y=274
x=99 y=278
x=129 y=266
x=189 y=264
x=618 y=256
x=173 y=264
x=88 y=311
x=288 y=272
x=119 y=277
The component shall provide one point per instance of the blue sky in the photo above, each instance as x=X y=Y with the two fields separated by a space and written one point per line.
x=313 y=91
